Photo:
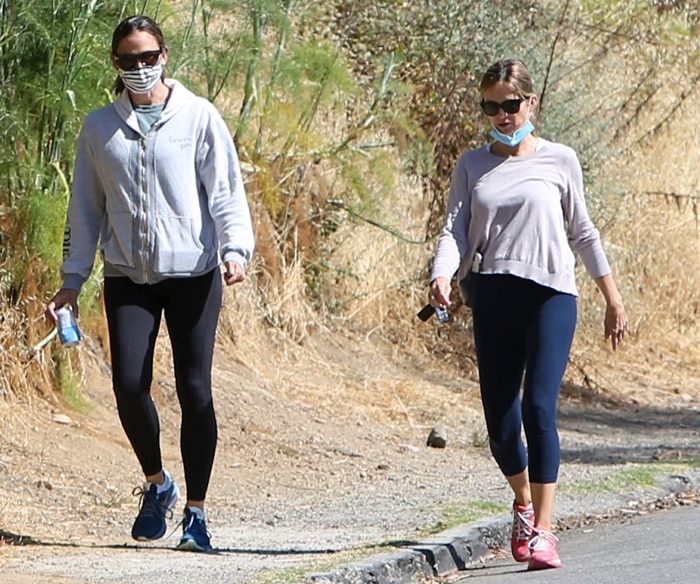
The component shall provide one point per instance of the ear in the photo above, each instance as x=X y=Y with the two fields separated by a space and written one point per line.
x=164 y=56
x=113 y=59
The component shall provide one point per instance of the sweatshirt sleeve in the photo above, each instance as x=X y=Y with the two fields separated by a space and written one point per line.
x=584 y=238
x=86 y=210
x=452 y=243
x=220 y=173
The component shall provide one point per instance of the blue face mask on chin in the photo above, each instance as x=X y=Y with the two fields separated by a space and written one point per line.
x=518 y=136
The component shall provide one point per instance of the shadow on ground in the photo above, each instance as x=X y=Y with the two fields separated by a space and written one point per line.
x=618 y=432
x=14 y=539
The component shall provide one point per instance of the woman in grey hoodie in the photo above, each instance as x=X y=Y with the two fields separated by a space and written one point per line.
x=157 y=184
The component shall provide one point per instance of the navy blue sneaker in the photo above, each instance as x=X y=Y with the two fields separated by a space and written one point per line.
x=195 y=537
x=155 y=507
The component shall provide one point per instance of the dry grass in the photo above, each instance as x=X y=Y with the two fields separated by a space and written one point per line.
x=14 y=356
x=24 y=371
x=269 y=324
x=368 y=304
x=656 y=250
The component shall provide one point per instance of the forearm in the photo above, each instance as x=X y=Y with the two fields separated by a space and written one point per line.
x=606 y=284
x=615 y=316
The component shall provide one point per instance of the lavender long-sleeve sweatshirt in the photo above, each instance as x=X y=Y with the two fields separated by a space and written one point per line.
x=524 y=214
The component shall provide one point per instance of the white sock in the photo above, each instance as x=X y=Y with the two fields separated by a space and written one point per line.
x=166 y=483
x=197 y=511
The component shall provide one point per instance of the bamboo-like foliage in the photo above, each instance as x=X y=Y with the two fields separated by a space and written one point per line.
x=304 y=125
x=53 y=70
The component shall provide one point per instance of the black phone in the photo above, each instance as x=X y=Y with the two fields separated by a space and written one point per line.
x=426 y=312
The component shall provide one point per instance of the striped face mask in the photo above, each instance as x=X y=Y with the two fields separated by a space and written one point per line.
x=142 y=79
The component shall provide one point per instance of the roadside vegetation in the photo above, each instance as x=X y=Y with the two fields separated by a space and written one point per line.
x=348 y=116
x=631 y=477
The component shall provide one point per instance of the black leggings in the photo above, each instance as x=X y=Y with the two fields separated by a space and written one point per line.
x=522 y=328
x=191 y=307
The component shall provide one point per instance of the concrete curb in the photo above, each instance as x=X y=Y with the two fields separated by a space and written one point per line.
x=439 y=555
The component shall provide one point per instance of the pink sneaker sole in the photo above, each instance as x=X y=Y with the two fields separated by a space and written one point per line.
x=535 y=564
x=543 y=551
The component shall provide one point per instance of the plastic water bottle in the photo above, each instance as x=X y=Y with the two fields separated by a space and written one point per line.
x=67 y=327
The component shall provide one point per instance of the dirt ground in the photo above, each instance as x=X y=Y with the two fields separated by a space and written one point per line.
x=322 y=456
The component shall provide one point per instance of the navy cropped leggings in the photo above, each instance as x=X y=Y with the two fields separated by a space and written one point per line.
x=191 y=307
x=521 y=327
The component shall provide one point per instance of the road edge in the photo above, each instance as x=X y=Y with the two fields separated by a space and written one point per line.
x=450 y=551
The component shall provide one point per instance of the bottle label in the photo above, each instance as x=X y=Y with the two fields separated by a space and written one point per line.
x=68 y=332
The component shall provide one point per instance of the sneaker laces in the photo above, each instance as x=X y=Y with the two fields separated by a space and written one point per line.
x=543 y=539
x=190 y=522
x=149 y=506
x=523 y=525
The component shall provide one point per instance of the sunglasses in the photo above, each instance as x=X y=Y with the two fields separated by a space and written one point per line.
x=129 y=61
x=509 y=106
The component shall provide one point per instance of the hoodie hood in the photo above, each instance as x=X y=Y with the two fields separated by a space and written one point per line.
x=179 y=97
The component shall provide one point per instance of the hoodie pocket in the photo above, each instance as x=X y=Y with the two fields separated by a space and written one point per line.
x=118 y=245
x=178 y=250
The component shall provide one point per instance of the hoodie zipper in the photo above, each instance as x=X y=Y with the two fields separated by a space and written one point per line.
x=143 y=227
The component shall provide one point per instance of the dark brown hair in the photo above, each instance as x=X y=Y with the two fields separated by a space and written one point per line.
x=513 y=72
x=131 y=25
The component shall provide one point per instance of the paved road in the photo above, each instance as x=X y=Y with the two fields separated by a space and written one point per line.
x=661 y=548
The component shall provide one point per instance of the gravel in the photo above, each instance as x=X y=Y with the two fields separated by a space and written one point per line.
x=304 y=488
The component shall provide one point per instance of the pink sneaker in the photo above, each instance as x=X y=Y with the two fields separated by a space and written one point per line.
x=543 y=551
x=523 y=524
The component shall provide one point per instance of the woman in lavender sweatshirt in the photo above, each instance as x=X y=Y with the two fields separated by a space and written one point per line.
x=515 y=216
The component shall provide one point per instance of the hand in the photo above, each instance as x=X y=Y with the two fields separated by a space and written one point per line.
x=615 y=317
x=234 y=273
x=63 y=296
x=615 y=323
x=439 y=295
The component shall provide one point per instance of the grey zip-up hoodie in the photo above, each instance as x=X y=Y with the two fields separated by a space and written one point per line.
x=167 y=204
